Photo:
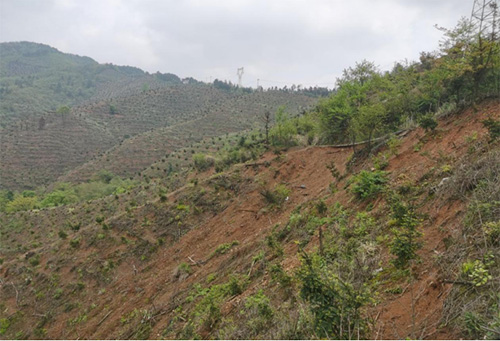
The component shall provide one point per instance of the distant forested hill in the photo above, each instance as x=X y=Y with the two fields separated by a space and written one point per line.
x=35 y=78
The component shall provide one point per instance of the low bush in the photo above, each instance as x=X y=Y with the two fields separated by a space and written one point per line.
x=428 y=122
x=203 y=162
x=277 y=196
x=368 y=184
x=223 y=248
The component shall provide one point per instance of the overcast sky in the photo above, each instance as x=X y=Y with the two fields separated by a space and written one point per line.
x=306 y=42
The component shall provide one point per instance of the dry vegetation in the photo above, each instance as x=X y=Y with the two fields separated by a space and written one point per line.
x=216 y=258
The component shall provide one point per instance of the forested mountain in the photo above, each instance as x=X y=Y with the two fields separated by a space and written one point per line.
x=36 y=78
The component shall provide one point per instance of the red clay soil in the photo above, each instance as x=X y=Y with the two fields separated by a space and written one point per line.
x=240 y=221
x=413 y=313
x=417 y=311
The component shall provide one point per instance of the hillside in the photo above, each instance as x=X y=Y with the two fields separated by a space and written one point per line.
x=242 y=253
x=35 y=78
x=145 y=128
x=210 y=211
x=122 y=112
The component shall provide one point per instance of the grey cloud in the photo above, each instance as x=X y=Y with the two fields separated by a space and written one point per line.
x=292 y=41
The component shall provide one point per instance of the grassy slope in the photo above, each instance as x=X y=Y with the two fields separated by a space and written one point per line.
x=146 y=127
x=124 y=277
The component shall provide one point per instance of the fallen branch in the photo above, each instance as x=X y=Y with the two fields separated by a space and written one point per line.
x=104 y=318
x=17 y=294
x=195 y=262
x=252 y=211
x=251 y=268
x=456 y=282
x=256 y=164
x=348 y=145
x=490 y=330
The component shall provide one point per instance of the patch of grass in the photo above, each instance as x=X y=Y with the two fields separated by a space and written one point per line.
x=277 y=196
x=223 y=248
x=4 y=325
x=74 y=243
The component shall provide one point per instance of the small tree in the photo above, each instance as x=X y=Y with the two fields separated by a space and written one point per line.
x=406 y=241
x=266 y=119
x=41 y=123
x=112 y=110
x=284 y=130
x=64 y=112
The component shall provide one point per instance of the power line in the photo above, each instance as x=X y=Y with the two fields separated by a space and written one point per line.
x=284 y=82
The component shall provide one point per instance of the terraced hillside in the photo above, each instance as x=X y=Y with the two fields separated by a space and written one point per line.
x=142 y=128
x=60 y=111
x=226 y=114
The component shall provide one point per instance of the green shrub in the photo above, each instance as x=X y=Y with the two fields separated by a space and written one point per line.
x=62 y=234
x=473 y=325
x=335 y=304
x=477 y=271
x=394 y=143
x=74 y=243
x=58 y=293
x=183 y=271
x=405 y=242
x=59 y=197
x=493 y=128
x=21 y=203
x=223 y=248
x=202 y=162
x=283 y=132
x=234 y=287
x=4 y=325
x=277 y=196
x=369 y=184
x=34 y=260
x=381 y=161
x=428 y=122
x=492 y=231
x=260 y=305
x=279 y=275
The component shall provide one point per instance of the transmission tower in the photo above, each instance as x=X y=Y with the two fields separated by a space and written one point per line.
x=485 y=17
x=240 y=75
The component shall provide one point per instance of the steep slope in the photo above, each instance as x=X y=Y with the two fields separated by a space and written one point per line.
x=219 y=257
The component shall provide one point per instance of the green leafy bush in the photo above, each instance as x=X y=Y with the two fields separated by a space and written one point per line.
x=4 y=325
x=369 y=184
x=493 y=128
x=335 y=304
x=277 y=196
x=428 y=122
x=283 y=132
x=259 y=308
x=477 y=271
x=225 y=247
x=74 y=243
x=21 y=203
x=202 y=162
x=405 y=242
